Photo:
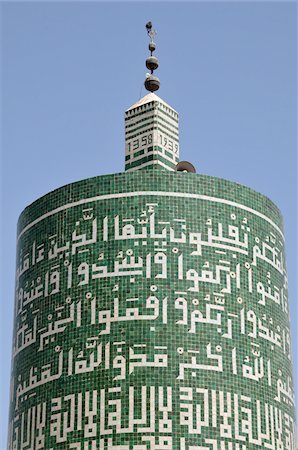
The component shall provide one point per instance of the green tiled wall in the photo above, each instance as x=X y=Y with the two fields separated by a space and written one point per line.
x=151 y=313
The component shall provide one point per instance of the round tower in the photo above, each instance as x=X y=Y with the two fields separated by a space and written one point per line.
x=151 y=308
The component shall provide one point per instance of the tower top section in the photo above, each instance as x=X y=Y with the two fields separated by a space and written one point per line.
x=150 y=98
x=151 y=125
x=151 y=135
x=151 y=83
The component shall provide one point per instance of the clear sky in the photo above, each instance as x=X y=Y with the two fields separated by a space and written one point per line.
x=71 y=69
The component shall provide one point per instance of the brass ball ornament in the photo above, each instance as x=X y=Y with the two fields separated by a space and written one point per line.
x=152 y=83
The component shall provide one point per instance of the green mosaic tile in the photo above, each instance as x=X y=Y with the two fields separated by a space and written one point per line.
x=151 y=312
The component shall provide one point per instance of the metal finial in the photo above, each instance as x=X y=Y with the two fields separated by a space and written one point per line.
x=151 y=32
x=152 y=83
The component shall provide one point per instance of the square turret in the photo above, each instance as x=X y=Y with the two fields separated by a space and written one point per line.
x=151 y=135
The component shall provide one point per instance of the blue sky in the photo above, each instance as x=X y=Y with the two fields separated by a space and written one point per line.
x=71 y=69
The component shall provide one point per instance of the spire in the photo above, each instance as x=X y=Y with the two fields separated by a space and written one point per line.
x=151 y=83
x=151 y=125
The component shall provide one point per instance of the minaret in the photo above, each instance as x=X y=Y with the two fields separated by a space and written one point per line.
x=151 y=309
x=151 y=125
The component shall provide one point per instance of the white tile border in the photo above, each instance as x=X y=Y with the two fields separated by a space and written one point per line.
x=150 y=163
x=149 y=193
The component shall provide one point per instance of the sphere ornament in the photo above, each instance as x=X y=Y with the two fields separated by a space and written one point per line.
x=152 y=83
x=152 y=46
x=152 y=63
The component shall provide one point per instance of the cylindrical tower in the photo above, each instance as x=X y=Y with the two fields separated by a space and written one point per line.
x=151 y=307
x=151 y=313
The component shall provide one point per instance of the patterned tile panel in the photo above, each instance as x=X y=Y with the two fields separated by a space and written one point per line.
x=151 y=312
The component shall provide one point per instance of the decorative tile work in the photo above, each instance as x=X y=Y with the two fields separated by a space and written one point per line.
x=151 y=313
x=151 y=135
